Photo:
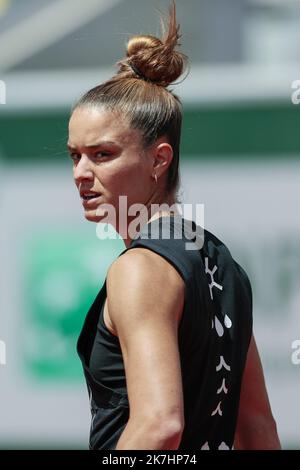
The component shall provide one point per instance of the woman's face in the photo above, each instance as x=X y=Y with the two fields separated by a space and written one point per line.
x=108 y=160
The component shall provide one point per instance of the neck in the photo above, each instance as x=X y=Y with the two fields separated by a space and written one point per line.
x=155 y=208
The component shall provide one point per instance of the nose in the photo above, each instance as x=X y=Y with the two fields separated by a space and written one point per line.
x=83 y=171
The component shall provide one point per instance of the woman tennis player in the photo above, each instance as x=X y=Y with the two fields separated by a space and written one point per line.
x=167 y=347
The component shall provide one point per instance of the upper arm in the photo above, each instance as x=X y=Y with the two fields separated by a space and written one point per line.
x=256 y=427
x=254 y=397
x=145 y=296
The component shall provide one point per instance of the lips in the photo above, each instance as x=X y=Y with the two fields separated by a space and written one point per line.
x=89 y=195
x=90 y=198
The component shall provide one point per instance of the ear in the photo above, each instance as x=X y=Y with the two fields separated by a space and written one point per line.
x=162 y=158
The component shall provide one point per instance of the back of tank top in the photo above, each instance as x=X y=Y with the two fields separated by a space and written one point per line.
x=213 y=339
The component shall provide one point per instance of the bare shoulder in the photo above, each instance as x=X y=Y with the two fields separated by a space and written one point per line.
x=145 y=264
x=143 y=269
x=141 y=281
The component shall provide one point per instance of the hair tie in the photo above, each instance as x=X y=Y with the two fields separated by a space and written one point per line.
x=139 y=73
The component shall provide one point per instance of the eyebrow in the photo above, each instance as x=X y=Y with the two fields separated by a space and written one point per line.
x=96 y=145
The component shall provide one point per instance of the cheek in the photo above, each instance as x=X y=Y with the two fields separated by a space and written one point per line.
x=124 y=179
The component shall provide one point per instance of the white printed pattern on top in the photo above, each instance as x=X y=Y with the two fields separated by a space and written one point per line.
x=222 y=365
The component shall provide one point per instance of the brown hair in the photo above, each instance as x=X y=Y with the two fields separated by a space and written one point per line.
x=139 y=90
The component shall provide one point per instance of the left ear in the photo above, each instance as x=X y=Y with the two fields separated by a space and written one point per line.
x=162 y=157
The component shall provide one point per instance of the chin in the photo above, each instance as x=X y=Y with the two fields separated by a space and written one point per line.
x=92 y=216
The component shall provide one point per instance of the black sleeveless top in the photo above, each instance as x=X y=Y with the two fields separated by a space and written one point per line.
x=213 y=340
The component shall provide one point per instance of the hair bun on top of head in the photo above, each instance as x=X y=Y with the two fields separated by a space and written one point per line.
x=155 y=60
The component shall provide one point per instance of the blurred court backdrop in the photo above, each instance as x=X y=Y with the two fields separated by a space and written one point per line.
x=240 y=156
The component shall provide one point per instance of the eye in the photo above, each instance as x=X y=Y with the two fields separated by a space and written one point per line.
x=102 y=154
x=75 y=156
